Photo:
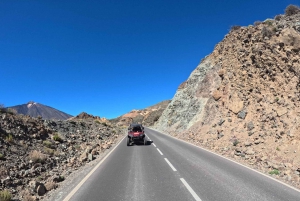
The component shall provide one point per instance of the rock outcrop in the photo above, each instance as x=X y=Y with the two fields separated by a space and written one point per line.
x=243 y=99
x=147 y=116
x=37 y=154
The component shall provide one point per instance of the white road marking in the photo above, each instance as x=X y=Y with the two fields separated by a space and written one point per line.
x=154 y=144
x=194 y=194
x=170 y=164
x=148 y=137
x=263 y=174
x=159 y=151
x=69 y=196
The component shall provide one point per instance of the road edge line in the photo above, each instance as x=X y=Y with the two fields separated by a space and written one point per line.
x=70 y=195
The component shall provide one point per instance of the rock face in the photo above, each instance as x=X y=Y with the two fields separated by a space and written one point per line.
x=147 y=116
x=37 y=154
x=243 y=99
x=34 y=109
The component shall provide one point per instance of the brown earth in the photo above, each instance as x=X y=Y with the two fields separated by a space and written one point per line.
x=242 y=101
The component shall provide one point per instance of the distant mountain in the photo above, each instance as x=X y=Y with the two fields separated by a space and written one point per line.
x=34 y=109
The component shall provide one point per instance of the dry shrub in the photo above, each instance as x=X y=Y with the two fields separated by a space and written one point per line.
x=291 y=10
x=5 y=195
x=256 y=23
x=47 y=143
x=266 y=32
x=50 y=185
x=278 y=17
x=3 y=172
x=37 y=157
x=57 y=137
x=235 y=27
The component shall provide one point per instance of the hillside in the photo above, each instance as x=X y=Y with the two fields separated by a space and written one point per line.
x=37 y=154
x=147 y=116
x=34 y=109
x=242 y=100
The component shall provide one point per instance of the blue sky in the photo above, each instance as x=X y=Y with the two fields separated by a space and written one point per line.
x=109 y=57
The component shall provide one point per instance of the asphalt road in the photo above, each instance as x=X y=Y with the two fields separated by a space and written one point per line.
x=170 y=169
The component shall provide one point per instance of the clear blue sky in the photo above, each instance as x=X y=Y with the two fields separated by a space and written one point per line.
x=109 y=57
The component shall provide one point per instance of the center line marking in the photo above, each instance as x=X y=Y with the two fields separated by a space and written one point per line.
x=154 y=144
x=190 y=189
x=170 y=165
x=159 y=151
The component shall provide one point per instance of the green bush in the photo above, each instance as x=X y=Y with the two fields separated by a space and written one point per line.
x=57 y=137
x=291 y=10
x=5 y=195
x=47 y=143
x=275 y=171
x=9 y=138
x=1 y=156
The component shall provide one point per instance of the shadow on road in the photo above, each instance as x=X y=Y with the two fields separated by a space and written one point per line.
x=141 y=143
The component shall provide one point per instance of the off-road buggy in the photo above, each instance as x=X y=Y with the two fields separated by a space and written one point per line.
x=136 y=134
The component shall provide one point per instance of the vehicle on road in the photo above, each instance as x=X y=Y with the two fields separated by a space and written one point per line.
x=136 y=134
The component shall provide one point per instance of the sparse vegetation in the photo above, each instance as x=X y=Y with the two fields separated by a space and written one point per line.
x=36 y=156
x=235 y=142
x=1 y=156
x=49 y=151
x=104 y=124
x=9 y=138
x=266 y=32
x=274 y=171
x=235 y=27
x=256 y=23
x=57 y=137
x=5 y=195
x=277 y=148
x=7 y=110
x=278 y=17
x=11 y=111
x=2 y=109
x=292 y=10
x=3 y=172
x=268 y=22
x=47 y=143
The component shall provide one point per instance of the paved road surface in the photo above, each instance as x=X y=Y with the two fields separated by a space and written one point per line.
x=169 y=169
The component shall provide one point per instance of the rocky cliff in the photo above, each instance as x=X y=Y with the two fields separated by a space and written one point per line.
x=37 y=154
x=242 y=100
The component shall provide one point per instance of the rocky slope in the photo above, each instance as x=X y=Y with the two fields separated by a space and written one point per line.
x=36 y=154
x=147 y=116
x=243 y=99
x=34 y=109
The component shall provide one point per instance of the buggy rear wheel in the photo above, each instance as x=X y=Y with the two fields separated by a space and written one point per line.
x=128 y=141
